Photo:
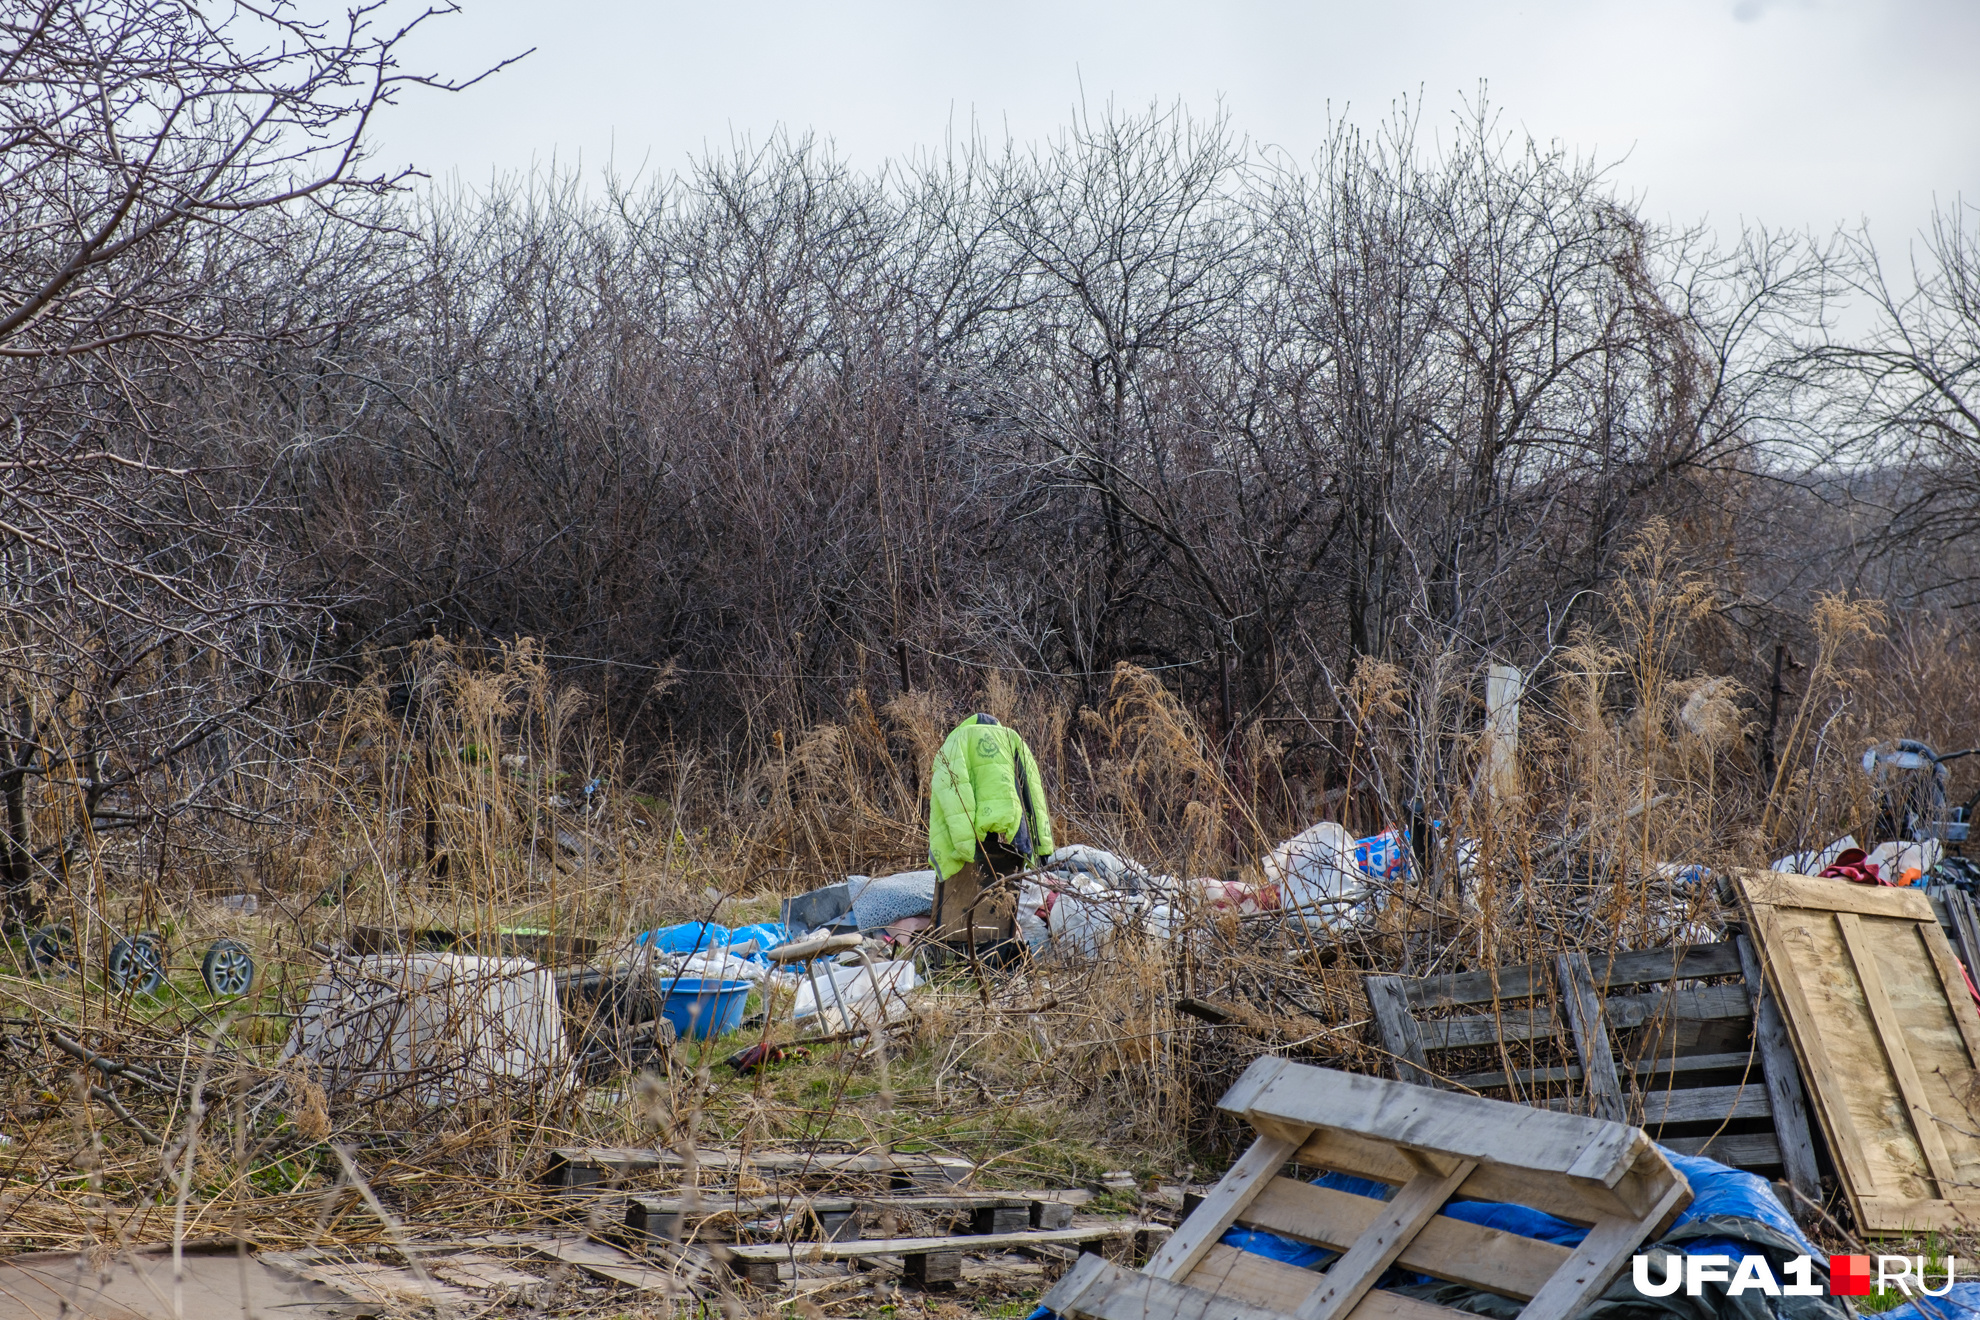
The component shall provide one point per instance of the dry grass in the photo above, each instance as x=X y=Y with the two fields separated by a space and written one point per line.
x=453 y=800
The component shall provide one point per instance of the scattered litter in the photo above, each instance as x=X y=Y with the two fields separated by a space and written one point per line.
x=859 y=995
x=704 y=1009
x=1814 y=863
x=1317 y=874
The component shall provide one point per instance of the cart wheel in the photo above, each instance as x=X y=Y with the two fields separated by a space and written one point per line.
x=52 y=949
x=228 y=968
x=137 y=963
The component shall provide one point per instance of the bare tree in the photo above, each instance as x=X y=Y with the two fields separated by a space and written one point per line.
x=151 y=156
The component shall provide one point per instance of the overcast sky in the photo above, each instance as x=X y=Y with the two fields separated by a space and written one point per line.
x=1799 y=113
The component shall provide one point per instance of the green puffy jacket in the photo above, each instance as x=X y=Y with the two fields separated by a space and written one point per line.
x=985 y=781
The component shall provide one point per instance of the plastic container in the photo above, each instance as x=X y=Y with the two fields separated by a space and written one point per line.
x=702 y=1009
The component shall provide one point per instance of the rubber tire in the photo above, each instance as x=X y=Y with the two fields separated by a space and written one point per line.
x=137 y=964
x=52 y=946
x=228 y=969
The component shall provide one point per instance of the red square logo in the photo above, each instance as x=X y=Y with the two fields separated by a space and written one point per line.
x=1849 y=1276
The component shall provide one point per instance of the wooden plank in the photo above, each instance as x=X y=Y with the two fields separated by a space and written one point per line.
x=1742 y=1150
x=1795 y=1144
x=1599 y=1258
x=1671 y=963
x=1960 y=999
x=1508 y=1026
x=1778 y=890
x=1661 y=1066
x=1811 y=1050
x=1591 y=1037
x=1884 y=1035
x=1103 y=1290
x=779 y=1252
x=1891 y=1037
x=1396 y=1028
x=1486 y=986
x=1344 y=1152
x=616 y=1266
x=1921 y=1216
x=1447 y=1248
x=1348 y=1279
x=1249 y=1277
x=1707 y=1003
x=374 y=1281
x=1707 y=1104
x=1221 y=1207
x=1586 y=1150
x=1637 y=967
x=568 y=1163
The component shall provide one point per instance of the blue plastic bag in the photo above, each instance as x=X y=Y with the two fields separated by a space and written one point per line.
x=767 y=934
x=687 y=938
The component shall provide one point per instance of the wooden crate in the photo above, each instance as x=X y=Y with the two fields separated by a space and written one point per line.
x=1887 y=1034
x=1430 y=1145
x=1707 y=1068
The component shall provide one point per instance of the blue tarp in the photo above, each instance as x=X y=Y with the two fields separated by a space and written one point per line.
x=1962 y=1303
x=692 y=937
x=1717 y=1190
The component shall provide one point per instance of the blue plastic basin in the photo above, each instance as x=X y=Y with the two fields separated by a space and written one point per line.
x=704 y=1009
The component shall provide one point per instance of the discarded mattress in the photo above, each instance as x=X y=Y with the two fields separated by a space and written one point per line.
x=434 y=1027
x=880 y=901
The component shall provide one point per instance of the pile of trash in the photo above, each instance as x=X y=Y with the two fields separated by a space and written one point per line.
x=846 y=990
x=1083 y=898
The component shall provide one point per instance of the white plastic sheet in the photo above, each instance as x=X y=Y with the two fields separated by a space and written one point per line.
x=855 y=995
x=1316 y=875
x=431 y=1027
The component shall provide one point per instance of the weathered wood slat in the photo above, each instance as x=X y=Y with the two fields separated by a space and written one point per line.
x=1599 y=1258
x=1662 y=1066
x=1637 y=967
x=1257 y=1280
x=1707 y=1104
x=1103 y=1290
x=1702 y=1003
x=1591 y=1036
x=618 y=1161
x=1348 y=1279
x=1396 y=1028
x=1343 y=1152
x=1452 y=1249
x=777 y=1253
x=1221 y=1207
x=1744 y=1150
x=1795 y=1145
x=1460 y=1126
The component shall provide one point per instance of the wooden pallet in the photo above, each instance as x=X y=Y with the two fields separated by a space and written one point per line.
x=842 y=1218
x=925 y=1260
x=1887 y=1034
x=1708 y=1069
x=579 y=1167
x=1430 y=1145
